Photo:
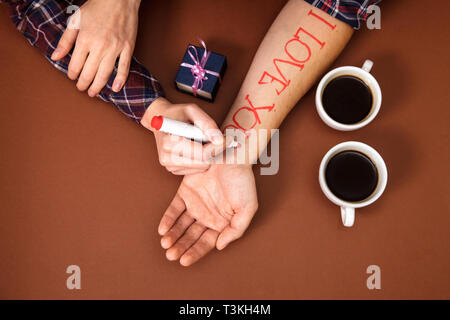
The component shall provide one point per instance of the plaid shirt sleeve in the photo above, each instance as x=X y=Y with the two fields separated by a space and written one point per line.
x=43 y=22
x=352 y=12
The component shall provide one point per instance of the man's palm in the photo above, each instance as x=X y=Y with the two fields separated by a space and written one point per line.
x=210 y=209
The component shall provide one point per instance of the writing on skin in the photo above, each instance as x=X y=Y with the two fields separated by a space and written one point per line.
x=280 y=79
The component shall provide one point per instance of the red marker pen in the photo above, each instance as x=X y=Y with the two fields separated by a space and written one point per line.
x=178 y=128
x=181 y=129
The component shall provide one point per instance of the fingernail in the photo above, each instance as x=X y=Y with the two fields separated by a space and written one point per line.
x=161 y=231
x=117 y=85
x=184 y=262
x=165 y=243
x=56 y=53
x=170 y=256
x=91 y=93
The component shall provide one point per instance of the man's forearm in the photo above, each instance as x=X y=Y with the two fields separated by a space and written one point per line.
x=301 y=43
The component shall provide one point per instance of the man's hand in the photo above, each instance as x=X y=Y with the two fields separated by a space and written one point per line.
x=210 y=209
x=102 y=31
x=179 y=155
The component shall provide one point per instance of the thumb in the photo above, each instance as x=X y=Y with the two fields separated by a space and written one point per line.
x=228 y=235
x=203 y=121
x=239 y=223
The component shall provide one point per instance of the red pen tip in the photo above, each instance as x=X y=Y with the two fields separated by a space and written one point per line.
x=157 y=122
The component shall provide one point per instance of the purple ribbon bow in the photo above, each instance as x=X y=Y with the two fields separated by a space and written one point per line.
x=198 y=68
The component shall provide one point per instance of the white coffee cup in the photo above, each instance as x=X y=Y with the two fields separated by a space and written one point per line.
x=362 y=73
x=347 y=207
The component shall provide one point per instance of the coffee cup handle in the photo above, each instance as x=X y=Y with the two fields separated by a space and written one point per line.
x=367 y=66
x=348 y=216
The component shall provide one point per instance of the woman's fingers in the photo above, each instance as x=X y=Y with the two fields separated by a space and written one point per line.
x=89 y=71
x=77 y=60
x=97 y=69
x=104 y=72
x=174 y=161
x=187 y=171
x=177 y=153
x=202 y=120
x=122 y=69
x=65 y=44
x=182 y=147
x=182 y=152
x=211 y=152
x=100 y=35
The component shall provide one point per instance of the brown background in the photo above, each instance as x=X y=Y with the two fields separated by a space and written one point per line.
x=80 y=184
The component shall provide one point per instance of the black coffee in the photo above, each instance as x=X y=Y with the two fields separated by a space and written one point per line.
x=347 y=99
x=351 y=176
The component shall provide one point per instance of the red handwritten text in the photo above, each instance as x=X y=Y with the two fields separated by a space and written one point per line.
x=298 y=52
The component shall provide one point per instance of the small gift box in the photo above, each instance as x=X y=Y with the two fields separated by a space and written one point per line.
x=201 y=72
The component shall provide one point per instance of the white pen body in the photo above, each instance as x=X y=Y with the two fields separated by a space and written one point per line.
x=182 y=129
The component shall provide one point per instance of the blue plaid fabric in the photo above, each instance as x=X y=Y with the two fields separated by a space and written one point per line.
x=352 y=12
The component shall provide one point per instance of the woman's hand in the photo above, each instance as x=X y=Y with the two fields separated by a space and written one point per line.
x=102 y=31
x=179 y=155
